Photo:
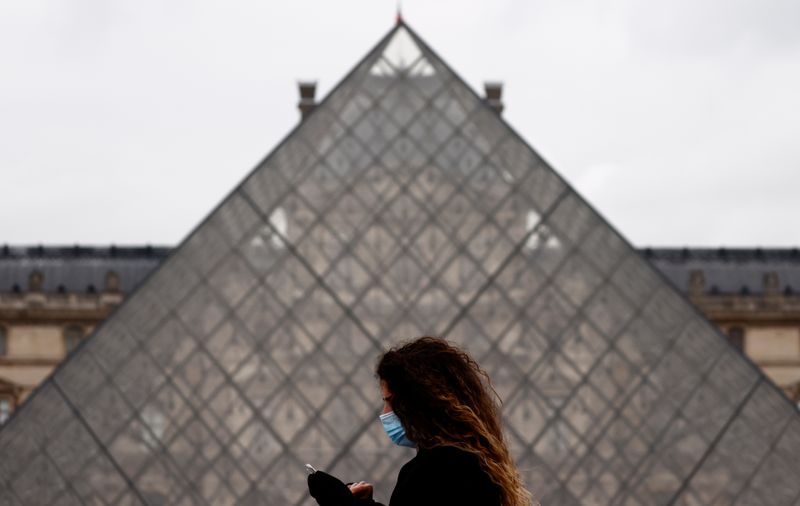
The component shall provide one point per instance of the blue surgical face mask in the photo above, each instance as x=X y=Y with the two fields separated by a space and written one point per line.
x=394 y=429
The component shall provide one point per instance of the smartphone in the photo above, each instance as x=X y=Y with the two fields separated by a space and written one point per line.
x=310 y=469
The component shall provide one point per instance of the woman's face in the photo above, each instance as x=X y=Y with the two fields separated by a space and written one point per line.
x=387 y=398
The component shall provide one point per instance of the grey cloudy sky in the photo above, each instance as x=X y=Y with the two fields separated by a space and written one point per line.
x=126 y=122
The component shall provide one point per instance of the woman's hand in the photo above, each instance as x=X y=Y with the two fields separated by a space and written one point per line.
x=361 y=490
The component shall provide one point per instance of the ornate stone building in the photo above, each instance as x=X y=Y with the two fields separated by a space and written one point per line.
x=51 y=297
x=752 y=295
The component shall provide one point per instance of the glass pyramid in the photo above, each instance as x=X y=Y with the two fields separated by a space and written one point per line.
x=403 y=205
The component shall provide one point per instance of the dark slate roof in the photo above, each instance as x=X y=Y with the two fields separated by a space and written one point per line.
x=76 y=268
x=726 y=270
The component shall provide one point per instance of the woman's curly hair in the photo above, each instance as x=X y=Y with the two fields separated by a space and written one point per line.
x=443 y=398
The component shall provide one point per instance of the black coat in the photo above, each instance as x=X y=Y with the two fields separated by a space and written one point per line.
x=437 y=477
x=444 y=476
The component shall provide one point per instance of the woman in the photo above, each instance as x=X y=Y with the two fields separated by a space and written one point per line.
x=437 y=399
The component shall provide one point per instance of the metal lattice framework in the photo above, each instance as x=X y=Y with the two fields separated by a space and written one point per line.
x=403 y=205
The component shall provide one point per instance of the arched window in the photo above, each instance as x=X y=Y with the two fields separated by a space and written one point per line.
x=73 y=334
x=3 y=341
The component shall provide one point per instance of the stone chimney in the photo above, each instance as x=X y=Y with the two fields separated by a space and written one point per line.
x=494 y=95
x=307 y=91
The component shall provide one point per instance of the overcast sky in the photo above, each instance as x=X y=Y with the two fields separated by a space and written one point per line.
x=127 y=121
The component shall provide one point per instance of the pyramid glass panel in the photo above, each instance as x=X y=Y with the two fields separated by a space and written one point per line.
x=402 y=206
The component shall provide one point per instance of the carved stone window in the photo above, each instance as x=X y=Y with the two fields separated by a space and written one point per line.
x=35 y=281
x=772 y=284
x=736 y=337
x=73 y=334
x=697 y=282
x=112 y=282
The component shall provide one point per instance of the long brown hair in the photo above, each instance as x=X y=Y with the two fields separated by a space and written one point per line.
x=443 y=398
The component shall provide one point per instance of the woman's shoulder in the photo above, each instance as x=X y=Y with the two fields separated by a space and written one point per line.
x=447 y=453
x=442 y=460
x=444 y=475
x=450 y=461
